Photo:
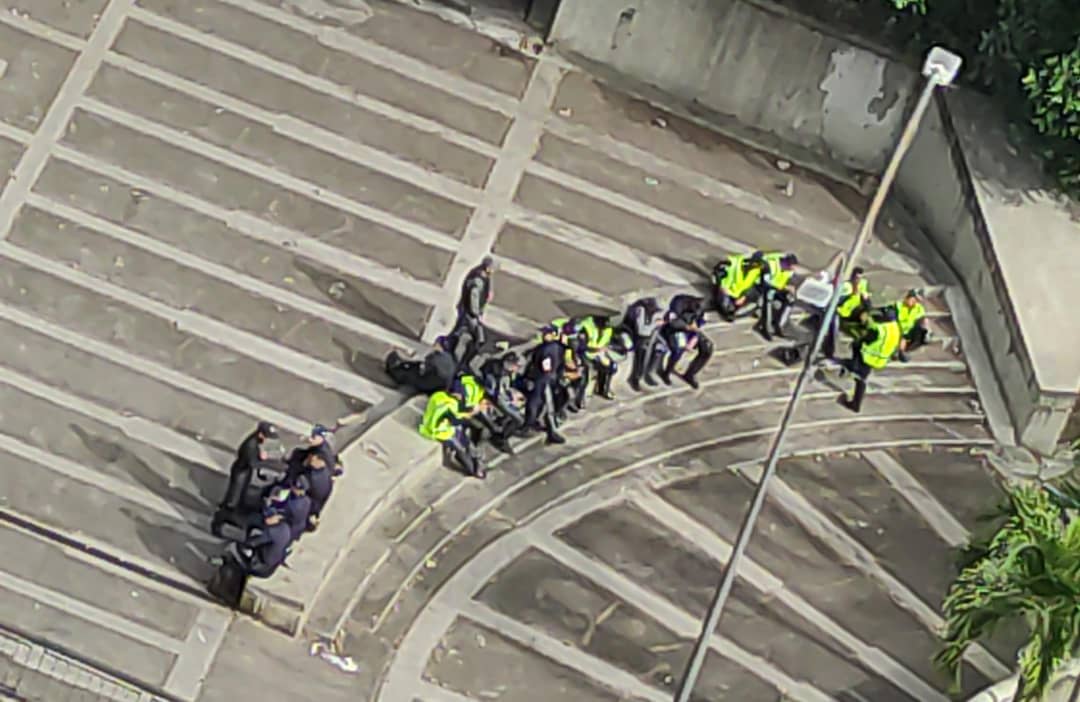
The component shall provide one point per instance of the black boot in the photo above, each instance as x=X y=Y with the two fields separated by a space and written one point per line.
x=553 y=436
x=603 y=383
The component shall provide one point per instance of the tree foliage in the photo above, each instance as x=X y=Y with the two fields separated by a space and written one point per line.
x=1026 y=567
x=1024 y=52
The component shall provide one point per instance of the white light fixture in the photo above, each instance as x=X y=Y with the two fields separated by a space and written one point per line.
x=942 y=65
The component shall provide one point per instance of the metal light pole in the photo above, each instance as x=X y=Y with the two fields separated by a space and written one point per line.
x=940 y=69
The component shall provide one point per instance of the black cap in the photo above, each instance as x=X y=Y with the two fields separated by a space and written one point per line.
x=488 y=262
x=267 y=429
x=915 y=293
x=889 y=314
x=511 y=358
x=790 y=260
x=858 y=270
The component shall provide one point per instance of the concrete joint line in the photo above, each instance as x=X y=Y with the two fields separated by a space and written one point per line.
x=625 y=684
x=588 y=242
x=251 y=167
x=935 y=514
x=90 y=613
x=138 y=429
x=14 y=134
x=28 y=25
x=60 y=111
x=389 y=59
x=682 y=623
x=153 y=370
x=417 y=232
x=557 y=464
x=198 y=653
x=245 y=282
x=118 y=488
x=253 y=227
x=522 y=141
x=769 y=585
x=243 y=343
x=296 y=75
x=858 y=556
x=308 y=134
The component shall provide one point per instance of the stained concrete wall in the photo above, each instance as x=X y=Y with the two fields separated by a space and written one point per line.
x=749 y=62
x=843 y=101
x=937 y=185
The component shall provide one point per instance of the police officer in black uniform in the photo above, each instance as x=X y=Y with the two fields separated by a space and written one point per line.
x=248 y=455
x=682 y=331
x=499 y=376
x=542 y=374
x=436 y=372
x=476 y=293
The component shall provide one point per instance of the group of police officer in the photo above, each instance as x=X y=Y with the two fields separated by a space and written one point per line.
x=878 y=335
x=509 y=395
x=270 y=503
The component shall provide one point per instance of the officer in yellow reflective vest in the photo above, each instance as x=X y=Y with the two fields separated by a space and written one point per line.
x=735 y=283
x=872 y=352
x=854 y=302
x=598 y=334
x=590 y=338
x=911 y=315
x=775 y=292
x=444 y=420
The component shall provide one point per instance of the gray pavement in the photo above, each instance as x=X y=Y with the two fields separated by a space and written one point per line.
x=219 y=211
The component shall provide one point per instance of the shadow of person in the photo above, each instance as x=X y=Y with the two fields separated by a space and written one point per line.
x=209 y=483
x=181 y=551
x=350 y=298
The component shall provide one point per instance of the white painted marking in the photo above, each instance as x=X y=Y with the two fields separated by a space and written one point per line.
x=107 y=483
x=264 y=172
x=711 y=412
x=198 y=653
x=24 y=23
x=138 y=429
x=247 y=283
x=216 y=332
x=418 y=232
x=435 y=619
x=292 y=73
x=90 y=613
x=19 y=136
x=85 y=548
x=726 y=194
x=430 y=692
x=722 y=243
x=597 y=246
x=309 y=134
x=929 y=508
x=487 y=219
x=60 y=111
x=625 y=684
x=863 y=560
x=872 y=657
x=395 y=61
x=156 y=371
x=673 y=617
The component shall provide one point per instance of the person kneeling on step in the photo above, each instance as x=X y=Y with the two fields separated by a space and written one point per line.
x=735 y=283
x=445 y=421
x=911 y=315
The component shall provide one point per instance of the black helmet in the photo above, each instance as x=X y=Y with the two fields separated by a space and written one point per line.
x=888 y=314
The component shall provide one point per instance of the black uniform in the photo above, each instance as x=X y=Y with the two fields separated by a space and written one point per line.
x=685 y=317
x=297 y=511
x=475 y=293
x=266 y=551
x=435 y=372
x=544 y=370
x=247 y=457
x=642 y=323
x=498 y=378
